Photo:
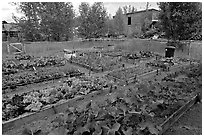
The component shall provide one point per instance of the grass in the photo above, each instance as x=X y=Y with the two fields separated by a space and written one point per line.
x=56 y=48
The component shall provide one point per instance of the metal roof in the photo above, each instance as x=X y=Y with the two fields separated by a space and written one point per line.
x=142 y=11
x=170 y=47
x=67 y=50
x=10 y=27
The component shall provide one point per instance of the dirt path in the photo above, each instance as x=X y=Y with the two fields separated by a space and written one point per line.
x=189 y=124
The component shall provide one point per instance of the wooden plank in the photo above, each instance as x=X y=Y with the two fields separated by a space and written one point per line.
x=60 y=107
x=8 y=50
x=12 y=45
x=44 y=80
x=172 y=69
x=176 y=115
x=44 y=113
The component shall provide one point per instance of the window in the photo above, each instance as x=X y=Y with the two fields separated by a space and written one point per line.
x=13 y=34
x=129 y=20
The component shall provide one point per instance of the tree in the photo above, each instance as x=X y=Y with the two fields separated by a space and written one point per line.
x=53 y=20
x=146 y=19
x=111 y=27
x=129 y=9
x=57 y=20
x=29 y=24
x=145 y=24
x=92 y=20
x=180 y=20
x=84 y=9
x=119 y=21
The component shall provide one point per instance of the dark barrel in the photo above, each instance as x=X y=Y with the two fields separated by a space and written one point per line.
x=169 y=51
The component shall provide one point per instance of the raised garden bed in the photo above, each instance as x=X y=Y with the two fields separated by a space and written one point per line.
x=26 y=62
x=176 y=115
x=164 y=63
x=132 y=57
x=29 y=77
x=129 y=110
x=129 y=73
x=15 y=105
x=96 y=61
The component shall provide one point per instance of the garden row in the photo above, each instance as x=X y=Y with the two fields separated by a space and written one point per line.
x=18 y=104
x=133 y=110
x=108 y=60
x=128 y=73
x=104 y=39
x=42 y=74
x=26 y=62
x=131 y=57
x=163 y=63
x=159 y=64
x=96 y=61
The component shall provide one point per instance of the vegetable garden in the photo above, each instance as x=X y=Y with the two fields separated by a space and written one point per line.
x=15 y=105
x=96 y=61
x=27 y=62
x=137 y=108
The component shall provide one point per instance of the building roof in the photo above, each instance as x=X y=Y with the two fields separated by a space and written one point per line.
x=141 y=11
x=10 y=27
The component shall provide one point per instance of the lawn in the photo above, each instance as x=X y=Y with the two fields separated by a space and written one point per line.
x=56 y=48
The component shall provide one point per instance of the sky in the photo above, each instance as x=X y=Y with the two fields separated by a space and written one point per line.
x=111 y=7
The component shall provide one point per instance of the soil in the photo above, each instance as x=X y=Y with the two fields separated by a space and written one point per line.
x=189 y=124
x=41 y=85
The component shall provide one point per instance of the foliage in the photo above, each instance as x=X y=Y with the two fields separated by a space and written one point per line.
x=128 y=73
x=146 y=21
x=57 y=20
x=145 y=25
x=92 y=20
x=119 y=22
x=97 y=61
x=111 y=27
x=35 y=100
x=46 y=20
x=29 y=24
x=42 y=74
x=132 y=111
x=129 y=9
x=27 y=62
x=181 y=20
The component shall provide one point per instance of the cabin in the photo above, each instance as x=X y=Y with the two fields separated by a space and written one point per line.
x=10 y=31
x=135 y=20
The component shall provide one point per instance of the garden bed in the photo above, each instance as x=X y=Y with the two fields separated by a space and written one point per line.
x=140 y=102
x=21 y=63
x=40 y=75
x=96 y=61
x=131 y=57
x=17 y=104
x=130 y=73
x=176 y=115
